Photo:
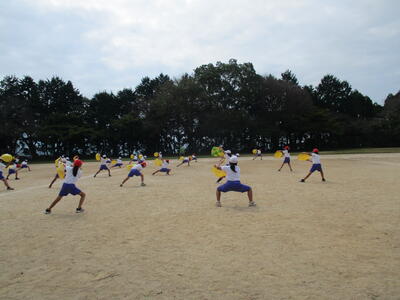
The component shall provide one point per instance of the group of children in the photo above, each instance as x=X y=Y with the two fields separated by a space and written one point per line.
x=13 y=168
x=73 y=172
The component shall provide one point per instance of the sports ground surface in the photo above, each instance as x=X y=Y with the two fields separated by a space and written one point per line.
x=338 y=239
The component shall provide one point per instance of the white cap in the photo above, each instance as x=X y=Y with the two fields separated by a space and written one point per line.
x=119 y=157
x=67 y=158
x=104 y=156
x=233 y=159
x=237 y=154
x=228 y=151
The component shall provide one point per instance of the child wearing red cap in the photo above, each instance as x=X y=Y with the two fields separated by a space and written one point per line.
x=286 y=158
x=72 y=175
x=135 y=171
x=316 y=165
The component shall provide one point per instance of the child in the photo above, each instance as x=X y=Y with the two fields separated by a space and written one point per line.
x=24 y=165
x=194 y=157
x=135 y=171
x=316 y=165
x=164 y=167
x=12 y=169
x=227 y=156
x=103 y=165
x=118 y=164
x=257 y=154
x=233 y=182
x=2 y=167
x=185 y=160
x=71 y=177
x=286 y=159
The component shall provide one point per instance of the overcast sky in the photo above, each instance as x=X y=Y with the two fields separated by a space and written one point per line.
x=112 y=44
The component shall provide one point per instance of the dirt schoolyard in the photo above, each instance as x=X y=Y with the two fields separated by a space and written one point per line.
x=338 y=239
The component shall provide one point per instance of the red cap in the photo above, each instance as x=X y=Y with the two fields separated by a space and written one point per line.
x=78 y=163
x=315 y=150
x=144 y=164
x=286 y=148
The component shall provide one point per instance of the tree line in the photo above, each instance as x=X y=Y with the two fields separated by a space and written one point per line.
x=218 y=104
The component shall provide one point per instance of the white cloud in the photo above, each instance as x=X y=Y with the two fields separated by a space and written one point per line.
x=127 y=40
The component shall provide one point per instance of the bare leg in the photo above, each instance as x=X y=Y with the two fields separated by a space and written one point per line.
x=281 y=166
x=7 y=185
x=155 y=172
x=29 y=169
x=218 y=194
x=16 y=175
x=322 y=175
x=54 y=180
x=250 y=195
x=308 y=175
x=54 y=202
x=179 y=164
x=291 y=170
x=83 y=195
x=142 y=178
x=97 y=173
x=109 y=173
x=125 y=180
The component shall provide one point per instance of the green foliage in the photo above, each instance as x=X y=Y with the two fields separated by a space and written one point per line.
x=223 y=104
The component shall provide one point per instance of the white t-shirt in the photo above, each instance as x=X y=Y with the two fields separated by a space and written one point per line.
x=258 y=151
x=103 y=161
x=186 y=158
x=164 y=164
x=315 y=158
x=68 y=163
x=69 y=176
x=119 y=161
x=230 y=175
x=2 y=167
x=138 y=167
x=24 y=163
x=286 y=153
x=13 y=166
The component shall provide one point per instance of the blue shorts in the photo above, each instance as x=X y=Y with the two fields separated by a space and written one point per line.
x=1 y=175
x=286 y=160
x=69 y=188
x=103 y=167
x=11 y=171
x=234 y=186
x=316 y=167
x=165 y=170
x=134 y=172
x=185 y=161
x=24 y=166
x=117 y=165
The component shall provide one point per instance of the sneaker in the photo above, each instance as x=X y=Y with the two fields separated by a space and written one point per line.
x=143 y=184
x=10 y=189
x=218 y=204
x=17 y=178
x=252 y=203
x=120 y=185
x=79 y=210
x=47 y=211
x=323 y=179
x=302 y=180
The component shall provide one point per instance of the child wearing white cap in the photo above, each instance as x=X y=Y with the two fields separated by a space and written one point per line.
x=103 y=165
x=233 y=181
x=119 y=163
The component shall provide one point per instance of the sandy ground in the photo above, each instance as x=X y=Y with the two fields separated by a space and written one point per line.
x=334 y=240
